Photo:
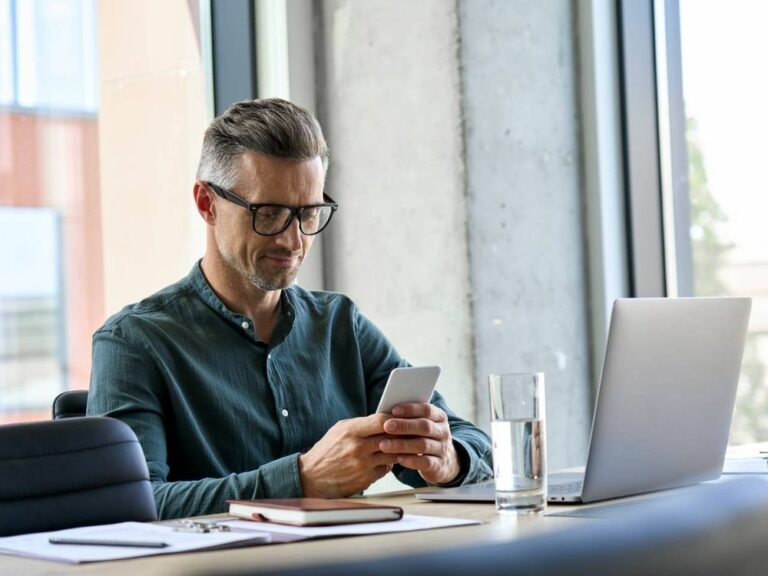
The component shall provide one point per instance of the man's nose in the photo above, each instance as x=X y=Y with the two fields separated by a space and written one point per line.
x=291 y=236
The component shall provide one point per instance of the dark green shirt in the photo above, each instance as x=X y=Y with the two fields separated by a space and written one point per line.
x=220 y=414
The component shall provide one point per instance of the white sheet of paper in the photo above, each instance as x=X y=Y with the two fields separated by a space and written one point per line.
x=37 y=545
x=745 y=466
x=243 y=533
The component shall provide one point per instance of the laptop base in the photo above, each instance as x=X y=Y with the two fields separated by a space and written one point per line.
x=563 y=488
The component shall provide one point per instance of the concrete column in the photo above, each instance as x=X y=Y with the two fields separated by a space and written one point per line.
x=390 y=103
x=526 y=239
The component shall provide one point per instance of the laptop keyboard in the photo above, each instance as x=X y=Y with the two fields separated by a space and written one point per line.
x=565 y=483
x=565 y=488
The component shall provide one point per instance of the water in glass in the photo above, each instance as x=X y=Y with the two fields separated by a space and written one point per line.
x=519 y=464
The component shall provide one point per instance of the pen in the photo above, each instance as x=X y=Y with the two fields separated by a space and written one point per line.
x=128 y=543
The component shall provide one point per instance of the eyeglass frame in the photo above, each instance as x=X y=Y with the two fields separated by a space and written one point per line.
x=294 y=210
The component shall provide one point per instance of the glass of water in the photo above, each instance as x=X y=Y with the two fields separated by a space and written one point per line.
x=519 y=451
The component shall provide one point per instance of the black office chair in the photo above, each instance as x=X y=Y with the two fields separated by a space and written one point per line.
x=70 y=404
x=709 y=530
x=72 y=472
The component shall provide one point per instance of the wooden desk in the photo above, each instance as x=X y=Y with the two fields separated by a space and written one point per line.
x=496 y=528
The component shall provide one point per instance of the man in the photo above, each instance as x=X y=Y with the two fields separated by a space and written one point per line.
x=240 y=384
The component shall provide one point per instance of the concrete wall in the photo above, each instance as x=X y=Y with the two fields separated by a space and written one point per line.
x=455 y=156
x=527 y=248
x=389 y=101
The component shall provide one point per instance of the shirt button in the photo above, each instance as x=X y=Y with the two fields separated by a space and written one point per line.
x=245 y=325
x=285 y=412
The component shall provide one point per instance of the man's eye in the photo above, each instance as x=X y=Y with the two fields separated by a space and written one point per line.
x=268 y=213
x=310 y=215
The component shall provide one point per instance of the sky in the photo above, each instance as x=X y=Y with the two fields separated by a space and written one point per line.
x=725 y=88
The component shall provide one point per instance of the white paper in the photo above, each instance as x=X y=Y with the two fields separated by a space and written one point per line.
x=37 y=545
x=243 y=533
x=745 y=466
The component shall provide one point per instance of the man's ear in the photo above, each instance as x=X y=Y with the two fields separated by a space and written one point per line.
x=204 y=202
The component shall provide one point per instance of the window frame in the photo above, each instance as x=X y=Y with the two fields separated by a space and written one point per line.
x=654 y=147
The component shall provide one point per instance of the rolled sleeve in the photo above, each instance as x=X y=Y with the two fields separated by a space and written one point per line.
x=280 y=479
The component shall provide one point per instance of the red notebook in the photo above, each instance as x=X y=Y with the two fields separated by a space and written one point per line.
x=312 y=511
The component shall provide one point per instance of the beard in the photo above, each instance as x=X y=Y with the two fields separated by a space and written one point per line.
x=259 y=273
x=261 y=277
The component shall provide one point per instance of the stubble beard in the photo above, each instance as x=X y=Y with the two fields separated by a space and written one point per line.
x=263 y=279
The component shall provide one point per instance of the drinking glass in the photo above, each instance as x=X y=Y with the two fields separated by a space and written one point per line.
x=519 y=451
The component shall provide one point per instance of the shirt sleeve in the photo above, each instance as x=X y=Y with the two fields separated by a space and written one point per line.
x=126 y=385
x=473 y=446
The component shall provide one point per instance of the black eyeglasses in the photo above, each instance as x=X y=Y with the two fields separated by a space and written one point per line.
x=272 y=219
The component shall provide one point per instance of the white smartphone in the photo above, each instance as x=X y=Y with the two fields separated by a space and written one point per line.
x=414 y=384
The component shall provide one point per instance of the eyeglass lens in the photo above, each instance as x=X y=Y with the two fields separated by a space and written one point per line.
x=274 y=219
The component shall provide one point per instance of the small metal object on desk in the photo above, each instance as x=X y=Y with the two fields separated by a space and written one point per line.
x=201 y=527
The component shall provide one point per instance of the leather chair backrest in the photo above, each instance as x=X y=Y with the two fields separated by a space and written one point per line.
x=70 y=404
x=72 y=472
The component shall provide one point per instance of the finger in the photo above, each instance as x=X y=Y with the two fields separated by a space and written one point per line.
x=380 y=472
x=367 y=425
x=373 y=443
x=416 y=427
x=411 y=446
x=423 y=463
x=419 y=410
x=364 y=448
x=383 y=459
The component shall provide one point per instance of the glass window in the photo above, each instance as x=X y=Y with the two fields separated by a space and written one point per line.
x=31 y=353
x=725 y=91
x=7 y=57
x=94 y=104
x=56 y=55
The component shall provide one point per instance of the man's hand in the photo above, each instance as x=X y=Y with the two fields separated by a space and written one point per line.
x=423 y=442
x=347 y=459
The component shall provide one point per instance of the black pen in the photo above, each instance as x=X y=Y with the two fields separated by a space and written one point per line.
x=127 y=543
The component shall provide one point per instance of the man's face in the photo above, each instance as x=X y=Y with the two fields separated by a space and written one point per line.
x=268 y=262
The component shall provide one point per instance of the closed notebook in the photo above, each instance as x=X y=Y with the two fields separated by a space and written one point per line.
x=312 y=511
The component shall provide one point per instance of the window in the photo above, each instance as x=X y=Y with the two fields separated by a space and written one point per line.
x=49 y=201
x=725 y=91
x=32 y=353
x=694 y=119
x=94 y=104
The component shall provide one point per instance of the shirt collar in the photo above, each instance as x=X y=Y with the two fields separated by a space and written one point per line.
x=197 y=282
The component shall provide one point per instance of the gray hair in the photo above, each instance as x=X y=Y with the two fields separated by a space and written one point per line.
x=271 y=126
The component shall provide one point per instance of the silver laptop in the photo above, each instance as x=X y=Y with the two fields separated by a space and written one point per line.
x=665 y=402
